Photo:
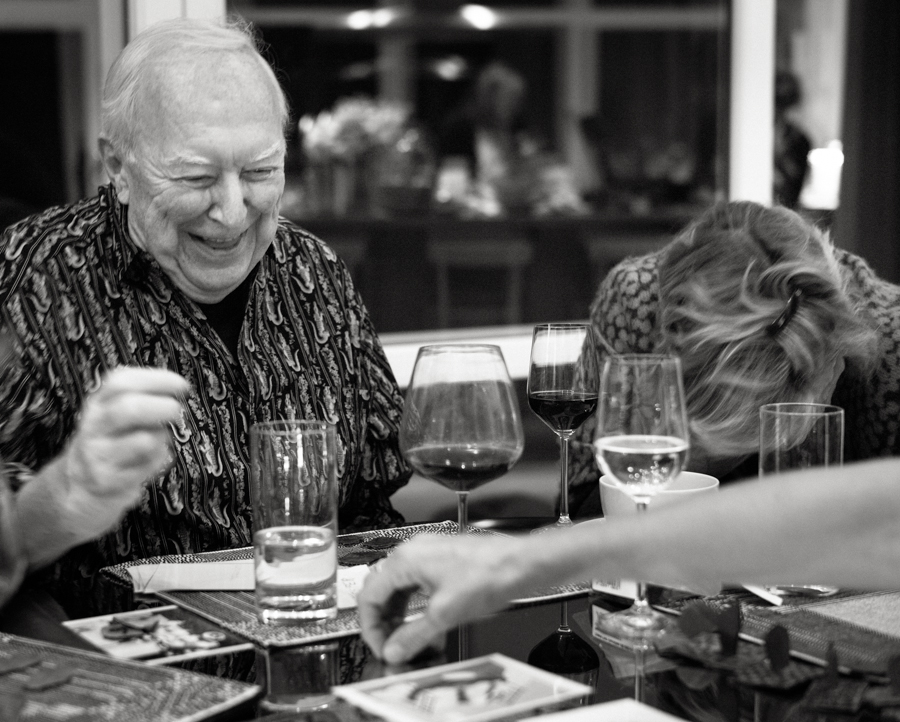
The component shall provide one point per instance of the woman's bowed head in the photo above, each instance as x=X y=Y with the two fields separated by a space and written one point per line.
x=754 y=302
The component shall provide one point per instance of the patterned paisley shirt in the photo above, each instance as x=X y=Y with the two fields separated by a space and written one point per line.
x=81 y=298
x=625 y=309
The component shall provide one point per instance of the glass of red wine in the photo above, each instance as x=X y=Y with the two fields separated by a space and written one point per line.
x=562 y=390
x=461 y=425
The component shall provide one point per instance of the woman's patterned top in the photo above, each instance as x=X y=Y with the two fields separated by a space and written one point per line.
x=80 y=298
x=624 y=313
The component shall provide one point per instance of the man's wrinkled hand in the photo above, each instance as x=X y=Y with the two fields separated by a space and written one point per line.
x=122 y=440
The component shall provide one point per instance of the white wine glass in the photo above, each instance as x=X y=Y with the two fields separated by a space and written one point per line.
x=641 y=442
x=562 y=390
x=461 y=425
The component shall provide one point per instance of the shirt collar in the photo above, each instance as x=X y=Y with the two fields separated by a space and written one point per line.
x=136 y=263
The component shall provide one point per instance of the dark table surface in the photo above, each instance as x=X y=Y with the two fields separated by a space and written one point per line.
x=674 y=685
x=717 y=687
x=696 y=682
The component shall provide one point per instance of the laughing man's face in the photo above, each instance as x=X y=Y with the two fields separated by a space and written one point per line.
x=204 y=182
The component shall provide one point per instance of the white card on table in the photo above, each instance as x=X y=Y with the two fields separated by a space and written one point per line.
x=223 y=576
x=620 y=710
x=474 y=690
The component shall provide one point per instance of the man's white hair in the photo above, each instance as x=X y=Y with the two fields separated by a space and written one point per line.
x=161 y=42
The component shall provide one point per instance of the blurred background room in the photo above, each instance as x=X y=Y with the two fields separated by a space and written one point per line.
x=483 y=165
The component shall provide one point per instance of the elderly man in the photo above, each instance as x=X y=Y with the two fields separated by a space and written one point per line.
x=183 y=263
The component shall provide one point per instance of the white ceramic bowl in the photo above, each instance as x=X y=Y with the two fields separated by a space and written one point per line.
x=687 y=485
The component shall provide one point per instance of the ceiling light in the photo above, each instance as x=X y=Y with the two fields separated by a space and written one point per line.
x=478 y=16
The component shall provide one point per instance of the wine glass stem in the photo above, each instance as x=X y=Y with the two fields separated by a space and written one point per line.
x=462 y=508
x=563 y=481
x=563 y=617
x=639 y=667
x=640 y=597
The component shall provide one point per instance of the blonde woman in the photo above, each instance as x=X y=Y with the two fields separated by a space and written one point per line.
x=761 y=307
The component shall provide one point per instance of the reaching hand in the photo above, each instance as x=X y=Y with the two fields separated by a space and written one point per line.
x=121 y=440
x=465 y=578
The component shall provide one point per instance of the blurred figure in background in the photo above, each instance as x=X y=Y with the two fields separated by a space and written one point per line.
x=792 y=145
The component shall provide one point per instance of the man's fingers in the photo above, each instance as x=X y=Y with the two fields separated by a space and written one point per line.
x=379 y=622
x=410 y=639
x=132 y=398
x=131 y=412
x=135 y=379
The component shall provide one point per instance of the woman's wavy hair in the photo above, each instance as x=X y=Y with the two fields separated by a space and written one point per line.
x=755 y=304
x=160 y=44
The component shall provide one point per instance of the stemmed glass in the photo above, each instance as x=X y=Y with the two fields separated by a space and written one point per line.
x=641 y=442
x=562 y=390
x=461 y=425
x=565 y=653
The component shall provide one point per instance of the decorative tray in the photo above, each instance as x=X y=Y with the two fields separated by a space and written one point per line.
x=236 y=612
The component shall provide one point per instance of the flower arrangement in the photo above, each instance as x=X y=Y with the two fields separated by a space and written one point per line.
x=354 y=126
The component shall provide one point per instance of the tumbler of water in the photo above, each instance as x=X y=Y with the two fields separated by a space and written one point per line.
x=800 y=436
x=293 y=490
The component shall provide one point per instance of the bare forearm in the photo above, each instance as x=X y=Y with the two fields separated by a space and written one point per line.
x=47 y=527
x=830 y=527
x=59 y=510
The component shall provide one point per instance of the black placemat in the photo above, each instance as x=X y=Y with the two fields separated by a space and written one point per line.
x=236 y=611
x=102 y=688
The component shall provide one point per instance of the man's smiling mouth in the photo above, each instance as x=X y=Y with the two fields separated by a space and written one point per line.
x=218 y=242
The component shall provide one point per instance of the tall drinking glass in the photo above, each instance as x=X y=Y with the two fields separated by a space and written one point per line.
x=562 y=389
x=800 y=436
x=461 y=425
x=294 y=494
x=641 y=443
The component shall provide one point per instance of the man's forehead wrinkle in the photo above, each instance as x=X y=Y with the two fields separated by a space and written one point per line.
x=175 y=89
x=181 y=81
x=177 y=158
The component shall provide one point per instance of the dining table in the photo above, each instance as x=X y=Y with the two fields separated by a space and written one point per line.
x=730 y=656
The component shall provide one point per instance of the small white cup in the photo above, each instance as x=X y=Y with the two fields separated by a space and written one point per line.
x=687 y=485
x=616 y=503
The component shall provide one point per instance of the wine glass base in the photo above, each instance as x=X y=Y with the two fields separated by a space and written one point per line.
x=561 y=523
x=802 y=590
x=636 y=626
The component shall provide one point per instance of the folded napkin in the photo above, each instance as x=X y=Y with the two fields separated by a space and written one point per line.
x=233 y=575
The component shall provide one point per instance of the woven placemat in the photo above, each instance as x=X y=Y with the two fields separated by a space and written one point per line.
x=103 y=688
x=859 y=625
x=236 y=611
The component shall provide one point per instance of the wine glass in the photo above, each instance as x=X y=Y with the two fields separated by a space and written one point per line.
x=461 y=425
x=566 y=654
x=641 y=442
x=562 y=390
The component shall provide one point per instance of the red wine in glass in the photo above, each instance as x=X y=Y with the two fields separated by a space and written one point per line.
x=461 y=425
x=460 y=467
x=563 y=381
x=563 y=409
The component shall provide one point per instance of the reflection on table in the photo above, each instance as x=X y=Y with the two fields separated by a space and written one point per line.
x=844 y=649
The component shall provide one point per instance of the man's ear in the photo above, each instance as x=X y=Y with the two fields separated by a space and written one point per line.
x=114 y=165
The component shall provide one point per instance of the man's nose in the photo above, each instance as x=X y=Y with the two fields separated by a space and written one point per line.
x=228 y=202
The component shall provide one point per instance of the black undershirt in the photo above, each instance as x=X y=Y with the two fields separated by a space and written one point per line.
x=227 y=316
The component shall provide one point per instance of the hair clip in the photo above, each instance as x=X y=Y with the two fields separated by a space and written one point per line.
x=784 y=318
